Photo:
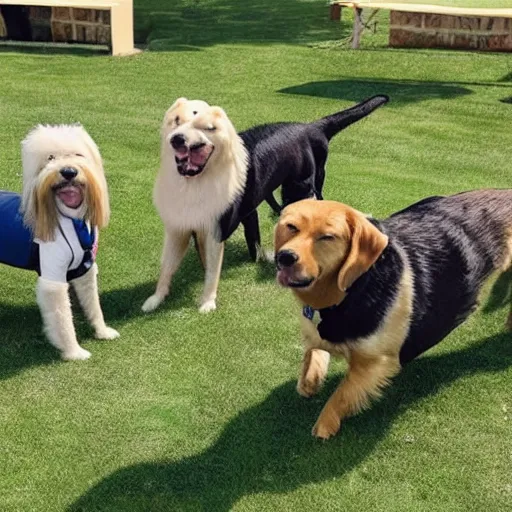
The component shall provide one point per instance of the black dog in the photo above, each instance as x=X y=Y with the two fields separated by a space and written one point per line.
x=290 y=155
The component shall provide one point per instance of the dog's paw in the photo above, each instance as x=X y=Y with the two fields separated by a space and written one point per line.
x=508 y=323
x=78 y=354
x=308 y=388
x=151 y=303
x=207 y=306
x=327 y=425
x=264 y=255
x=107 y=333
x=313 y=372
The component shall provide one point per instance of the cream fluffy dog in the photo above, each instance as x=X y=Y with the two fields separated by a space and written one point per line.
x=194 y=186
x=53 y=228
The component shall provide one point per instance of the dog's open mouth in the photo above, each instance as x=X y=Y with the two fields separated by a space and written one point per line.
x=286 y=277
x=191 y=161
x=71 y=195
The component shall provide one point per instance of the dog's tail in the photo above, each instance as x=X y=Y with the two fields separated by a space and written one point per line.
x=334 y=123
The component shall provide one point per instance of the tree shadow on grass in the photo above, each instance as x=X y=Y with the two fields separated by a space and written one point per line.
x=400 y=91
x=191 y=24
x=268 y=447
x=23 y=345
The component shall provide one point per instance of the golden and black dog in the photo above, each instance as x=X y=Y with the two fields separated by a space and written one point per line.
x=385 y=291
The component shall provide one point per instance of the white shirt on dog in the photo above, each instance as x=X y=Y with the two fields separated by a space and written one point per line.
x=65 y=253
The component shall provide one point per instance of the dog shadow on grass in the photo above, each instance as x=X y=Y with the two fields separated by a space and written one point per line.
x=268 y=447
x=23 y=344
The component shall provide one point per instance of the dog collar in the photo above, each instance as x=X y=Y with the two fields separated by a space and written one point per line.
x=309 y=313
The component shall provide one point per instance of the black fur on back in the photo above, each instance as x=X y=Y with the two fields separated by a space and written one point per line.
x=290 y=155
x=452 y=244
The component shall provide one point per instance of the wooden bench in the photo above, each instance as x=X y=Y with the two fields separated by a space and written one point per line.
x=121 y=18
x=359 y=24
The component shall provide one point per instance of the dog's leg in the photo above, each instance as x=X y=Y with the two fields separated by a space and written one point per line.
x=214 y=255
x=271 y=200
x=314 y=369
x=320 y=178
x=175 y=247
x=252 y=234
x=55 y=306
x=365 y=380
x=508 y=323
x=199 y=243
x=86 y=288
x=252 y=238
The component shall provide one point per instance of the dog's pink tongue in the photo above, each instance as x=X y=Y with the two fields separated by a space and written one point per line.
x=199 y=156
x=71 y=197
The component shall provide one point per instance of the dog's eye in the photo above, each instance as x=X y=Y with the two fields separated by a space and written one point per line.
x=326 y=237
x=80 y=155
x=194 y=112
x=177 y=120
x=292 y=228
x=51 y=157
x=210 y=128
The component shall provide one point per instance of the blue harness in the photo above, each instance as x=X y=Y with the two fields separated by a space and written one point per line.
x=17 y=246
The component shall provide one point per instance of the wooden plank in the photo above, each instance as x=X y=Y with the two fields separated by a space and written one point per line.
x=121 y=18
x=83 y=4
x=428 y=8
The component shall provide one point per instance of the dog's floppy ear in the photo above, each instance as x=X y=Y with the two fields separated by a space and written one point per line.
x=92 y=147
x=97 y=191
x=177 y=103
x=218 y=112
x=366 y=245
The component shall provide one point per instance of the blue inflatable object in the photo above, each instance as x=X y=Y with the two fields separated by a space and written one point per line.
x=17 y=247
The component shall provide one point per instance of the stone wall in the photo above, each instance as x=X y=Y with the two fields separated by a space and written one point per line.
x=426 y=30
x=66 y=24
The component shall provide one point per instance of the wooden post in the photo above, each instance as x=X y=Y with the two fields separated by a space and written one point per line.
x=335 y=12
x=121 y=21
x=358 y=27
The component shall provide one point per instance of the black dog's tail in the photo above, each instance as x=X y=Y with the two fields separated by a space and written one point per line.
x=334 y=123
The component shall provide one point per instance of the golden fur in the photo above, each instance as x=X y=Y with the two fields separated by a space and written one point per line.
x=334 y=263
x=189 y=205
x=336 y=244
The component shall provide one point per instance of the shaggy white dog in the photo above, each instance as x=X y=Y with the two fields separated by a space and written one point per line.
x=53 y=228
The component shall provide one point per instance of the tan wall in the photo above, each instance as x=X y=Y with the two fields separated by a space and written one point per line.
x=425 y=30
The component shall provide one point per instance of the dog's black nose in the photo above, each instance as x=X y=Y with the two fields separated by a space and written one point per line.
x=286 y=258
x=68 y=173
x=177 y=141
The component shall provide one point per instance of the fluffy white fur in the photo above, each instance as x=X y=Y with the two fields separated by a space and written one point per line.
x=45 y=151
x=194 y=204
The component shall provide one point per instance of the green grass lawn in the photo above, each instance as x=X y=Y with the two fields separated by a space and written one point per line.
x=199 y=413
